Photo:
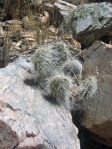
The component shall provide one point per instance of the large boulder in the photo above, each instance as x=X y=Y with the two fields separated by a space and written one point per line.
x=78 y=2
x=89 y=22
x=99 y=1
x=98 y=113
x=27 y=119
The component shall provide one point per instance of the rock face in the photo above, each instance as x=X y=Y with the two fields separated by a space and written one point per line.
x=27 y=119
x=99 y=1
x=98 y=115
x=89 y=22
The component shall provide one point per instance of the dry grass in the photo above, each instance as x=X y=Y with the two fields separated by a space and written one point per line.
x=33 y=24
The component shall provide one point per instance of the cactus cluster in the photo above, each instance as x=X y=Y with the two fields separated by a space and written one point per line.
x=57 y=68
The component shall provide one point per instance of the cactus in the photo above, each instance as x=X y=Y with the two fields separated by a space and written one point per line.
x=72 y=67
x=59 y=88
x=85 y=93
x=48 y=60
x=91 y=84
x=87 y=89
x=43 y=64
x=60 y=54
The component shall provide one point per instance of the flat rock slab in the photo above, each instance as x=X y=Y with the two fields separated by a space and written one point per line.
x=98 y=117
x=27 y=120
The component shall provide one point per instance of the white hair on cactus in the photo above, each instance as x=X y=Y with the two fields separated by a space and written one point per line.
x=59 y=88
x=72 y=67
x=49 y=59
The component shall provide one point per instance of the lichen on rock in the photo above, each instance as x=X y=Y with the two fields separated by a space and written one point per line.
x=89 y=22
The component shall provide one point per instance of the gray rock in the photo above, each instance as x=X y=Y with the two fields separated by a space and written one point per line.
x=77 y=2
x=98 y=114
x=89 y=22
x=27 y=119
x=96 y=1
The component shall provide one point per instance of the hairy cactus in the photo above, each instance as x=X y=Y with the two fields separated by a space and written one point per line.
x=60 y=54
x=82 y=99
x=48 y=60
x=90 y=85
x=72 y=67
x=87 y=89
x=43 y=64
x=59 y=87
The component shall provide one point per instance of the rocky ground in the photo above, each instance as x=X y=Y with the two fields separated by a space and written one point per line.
x=82 y=31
